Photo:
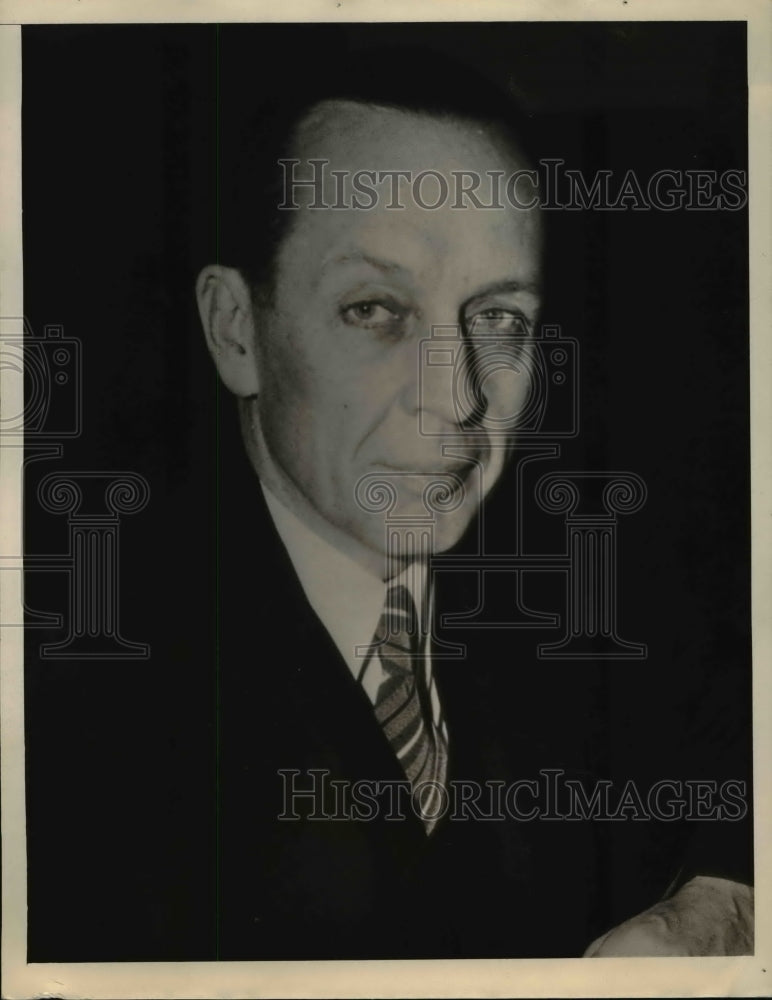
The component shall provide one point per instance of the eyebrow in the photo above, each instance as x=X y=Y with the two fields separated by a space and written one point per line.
x=510 y=285
x=358 y=256
x=390 y=267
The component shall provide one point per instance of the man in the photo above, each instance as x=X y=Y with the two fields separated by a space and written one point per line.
x=315 y=320
x=245 y=791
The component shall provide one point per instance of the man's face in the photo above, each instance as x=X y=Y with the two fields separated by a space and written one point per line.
x=344 y=389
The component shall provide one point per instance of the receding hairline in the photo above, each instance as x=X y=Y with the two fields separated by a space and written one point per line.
x=491 y=128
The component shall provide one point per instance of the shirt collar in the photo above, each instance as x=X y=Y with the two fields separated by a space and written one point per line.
x=346 y=597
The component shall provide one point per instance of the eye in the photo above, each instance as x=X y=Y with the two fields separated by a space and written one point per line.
x=498 y=320
x=370 y=314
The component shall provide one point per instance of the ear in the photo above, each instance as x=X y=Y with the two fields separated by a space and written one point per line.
x=225 y=308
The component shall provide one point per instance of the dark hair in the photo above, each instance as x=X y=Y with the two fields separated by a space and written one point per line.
x=251 y=226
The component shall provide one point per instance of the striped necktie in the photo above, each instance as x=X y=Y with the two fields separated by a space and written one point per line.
x=403 y=706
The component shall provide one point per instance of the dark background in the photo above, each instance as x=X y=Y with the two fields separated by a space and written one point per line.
x=120 y=147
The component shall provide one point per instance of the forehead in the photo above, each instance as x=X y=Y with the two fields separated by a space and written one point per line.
x=353 y=138
x=359 y=136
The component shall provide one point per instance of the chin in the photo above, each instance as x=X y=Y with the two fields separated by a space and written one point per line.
x=411 y=529
x=446 y=535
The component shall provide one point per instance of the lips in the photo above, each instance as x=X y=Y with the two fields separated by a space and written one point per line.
x=454 y=468
x=414 y=482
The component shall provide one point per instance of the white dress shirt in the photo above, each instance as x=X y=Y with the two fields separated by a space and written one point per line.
x=347 y=598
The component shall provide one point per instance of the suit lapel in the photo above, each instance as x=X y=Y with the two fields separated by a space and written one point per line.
x=277 y=656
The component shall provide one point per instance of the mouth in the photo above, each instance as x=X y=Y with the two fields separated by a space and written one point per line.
x=452 y=467
x=414 y=481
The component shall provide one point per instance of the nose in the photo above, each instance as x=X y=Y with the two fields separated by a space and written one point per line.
x=443 y=390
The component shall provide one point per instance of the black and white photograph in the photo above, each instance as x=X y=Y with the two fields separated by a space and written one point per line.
x=383 y=450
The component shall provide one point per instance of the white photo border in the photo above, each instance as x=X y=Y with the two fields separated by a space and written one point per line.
x=741 y=976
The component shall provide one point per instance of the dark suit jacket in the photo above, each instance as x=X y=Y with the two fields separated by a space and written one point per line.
x=154 y=788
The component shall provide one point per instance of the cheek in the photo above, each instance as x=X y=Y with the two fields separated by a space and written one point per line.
x=309 y=428
x=321 y=399
x=288 y=383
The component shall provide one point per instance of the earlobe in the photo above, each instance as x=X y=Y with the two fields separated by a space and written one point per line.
x=225 y=308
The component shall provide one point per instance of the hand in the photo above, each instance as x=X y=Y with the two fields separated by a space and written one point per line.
x=707 y=916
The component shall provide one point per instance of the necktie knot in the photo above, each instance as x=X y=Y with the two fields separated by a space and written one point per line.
x=398 y=634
